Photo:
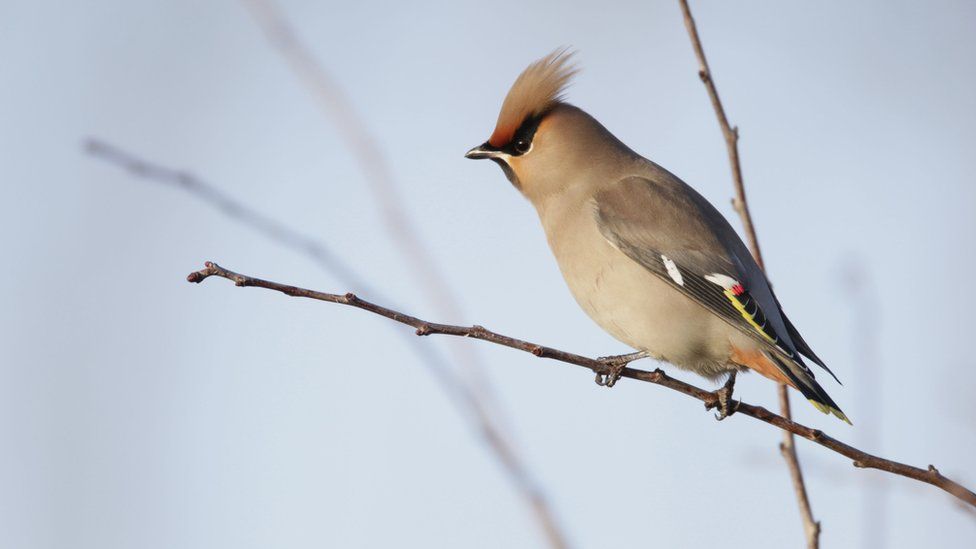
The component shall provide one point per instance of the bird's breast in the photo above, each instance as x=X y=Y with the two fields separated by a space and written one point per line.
x=628 y=301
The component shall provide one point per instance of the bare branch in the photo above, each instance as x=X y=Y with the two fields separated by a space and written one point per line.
x=470 y=403
x=861 y=459
x=811 y=526
x=731 y=135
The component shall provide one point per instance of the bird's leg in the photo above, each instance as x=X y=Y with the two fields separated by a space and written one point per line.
x=617 y=364
x=726 y=406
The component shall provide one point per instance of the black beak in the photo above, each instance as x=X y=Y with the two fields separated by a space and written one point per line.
x=485 y=150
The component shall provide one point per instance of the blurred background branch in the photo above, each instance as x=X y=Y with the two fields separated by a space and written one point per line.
x=468 y=402
x=373 y=164
x=811 y=526
x=857 y=283
x=861 y=459
x=400 y=228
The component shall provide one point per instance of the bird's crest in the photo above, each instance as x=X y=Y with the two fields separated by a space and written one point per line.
x=536 y=90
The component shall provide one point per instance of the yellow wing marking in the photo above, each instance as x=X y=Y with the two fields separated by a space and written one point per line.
x=742 y=310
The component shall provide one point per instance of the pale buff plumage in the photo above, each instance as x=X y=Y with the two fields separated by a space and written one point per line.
x=643 y=254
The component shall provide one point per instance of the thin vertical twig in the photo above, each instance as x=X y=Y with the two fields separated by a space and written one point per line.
x=787 y=447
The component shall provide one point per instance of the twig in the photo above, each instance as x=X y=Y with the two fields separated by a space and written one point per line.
x=811 y=526
x=468 y=402
x=861 y=459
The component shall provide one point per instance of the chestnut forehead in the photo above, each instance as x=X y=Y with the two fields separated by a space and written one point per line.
x=504 y=135
x=536 y=90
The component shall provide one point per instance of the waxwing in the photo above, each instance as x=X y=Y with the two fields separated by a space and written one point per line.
x=648 y=258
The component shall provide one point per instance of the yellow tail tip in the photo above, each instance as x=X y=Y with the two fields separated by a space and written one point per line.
x=831 y=410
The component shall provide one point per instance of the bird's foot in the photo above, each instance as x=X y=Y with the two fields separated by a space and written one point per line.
x=726 y=406
x=617 y=363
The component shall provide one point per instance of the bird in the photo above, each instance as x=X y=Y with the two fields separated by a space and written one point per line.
x=646 y=256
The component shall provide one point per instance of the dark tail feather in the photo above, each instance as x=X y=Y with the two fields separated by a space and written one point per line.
x=811 y=390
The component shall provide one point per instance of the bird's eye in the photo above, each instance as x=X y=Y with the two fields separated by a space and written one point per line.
x=522 y=146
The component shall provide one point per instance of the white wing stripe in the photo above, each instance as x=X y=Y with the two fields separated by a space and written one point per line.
x=673 y=271
x=722 y=280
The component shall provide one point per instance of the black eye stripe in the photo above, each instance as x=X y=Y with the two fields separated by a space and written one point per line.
x=522 y=140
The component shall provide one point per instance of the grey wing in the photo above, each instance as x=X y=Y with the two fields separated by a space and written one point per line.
x=673 y=232
x=759 y=286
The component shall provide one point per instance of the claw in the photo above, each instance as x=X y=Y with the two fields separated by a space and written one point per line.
x=617 y=363
x=609 y=380
x=726 y=406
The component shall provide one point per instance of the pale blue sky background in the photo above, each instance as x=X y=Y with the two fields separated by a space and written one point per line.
x=137 y=410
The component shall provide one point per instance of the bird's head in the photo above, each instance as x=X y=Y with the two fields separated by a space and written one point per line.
x=535 y=127
x=544 y=144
